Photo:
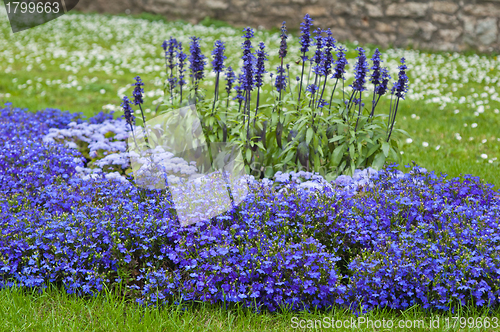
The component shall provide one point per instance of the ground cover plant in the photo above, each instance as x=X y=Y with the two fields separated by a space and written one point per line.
x=376 y=239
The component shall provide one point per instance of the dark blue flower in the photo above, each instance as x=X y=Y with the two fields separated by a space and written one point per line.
x=360 y=71
x=280 y=82
x=376 y=70
x=381 y=89
x=248 y=58
x=230 y=77
x=305 y=38
x=400 y=87
x=218 y=57
x=138 y=91
x=260 y=69
x=181 y=56
x=340 y=64
x=312 y=88
x=197 y=61
x=283 y=46
x=318 y=69
x=128 y=112
x=327 y=56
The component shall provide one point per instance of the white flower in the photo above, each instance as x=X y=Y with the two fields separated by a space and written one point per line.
x=409 y=140
x=425 y=144
x=474 y=125
x=484 y=156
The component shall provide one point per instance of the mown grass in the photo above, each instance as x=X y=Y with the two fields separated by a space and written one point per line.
x=54 y=310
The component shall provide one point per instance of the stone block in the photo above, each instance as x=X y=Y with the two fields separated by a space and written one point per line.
x=216 y=4
x=373 y=10
x=315 y=11
x=407 y=9
x=444 y=19
x=444 y=7
x=487 y=30
x=408 y=28
x=426 y=29
x=340 y=8
x=282 y=11
x=449 y=35
x=384 y=27
x=486 y=9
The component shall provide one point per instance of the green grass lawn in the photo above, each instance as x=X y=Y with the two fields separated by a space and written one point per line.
x=85 y=63
x=54 y=310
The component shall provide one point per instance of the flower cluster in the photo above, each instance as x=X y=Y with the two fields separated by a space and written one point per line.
x=197 y=61
x=376 y=239
x=218 y=57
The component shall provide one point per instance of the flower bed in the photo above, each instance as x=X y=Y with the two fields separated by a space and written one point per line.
x=392 y=240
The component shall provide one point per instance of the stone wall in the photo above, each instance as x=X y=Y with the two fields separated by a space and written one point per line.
x=437 y=25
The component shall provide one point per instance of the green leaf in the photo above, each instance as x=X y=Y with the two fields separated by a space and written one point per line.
x=385 y=149
x=337 y=154
x=248 y=155
x=379 y=161
x=336 y=138
x=309 y=135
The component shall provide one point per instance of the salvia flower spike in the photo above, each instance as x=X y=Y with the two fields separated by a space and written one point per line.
x=128 y=112
x=305 y=43
x=197 y=62
x=181 y=56
x=339 y=70
x=376 y=77
x=260 y=70
x=327 y=61
x=280 y=82
x=358 y=86
x=399 y=90
x=217 y=66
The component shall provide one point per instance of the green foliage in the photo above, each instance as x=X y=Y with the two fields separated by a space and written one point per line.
x=280 y=136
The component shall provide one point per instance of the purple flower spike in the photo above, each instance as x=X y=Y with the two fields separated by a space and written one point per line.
x=197 y=61
x=138 y=91
x=381 y=89
x=361 y=70
x=129 y=113
x=305 y=38
x=318 y=55
x=230 y=77
x=376 y=75
x=260 y=67
x=219 y=57
x=280 y=82
x=340 y=64
x=248 y=58
x=401 y=85
x=181 y=56
x=283 y=46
